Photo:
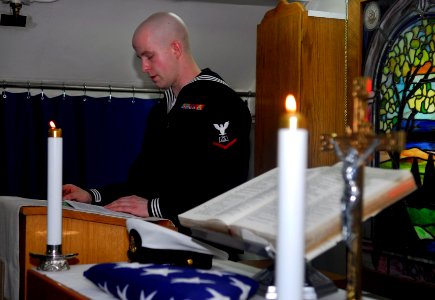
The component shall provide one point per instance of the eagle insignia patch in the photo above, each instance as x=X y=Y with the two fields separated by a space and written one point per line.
x=223 y=139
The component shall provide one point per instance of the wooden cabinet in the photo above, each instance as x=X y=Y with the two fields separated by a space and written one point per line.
x=304 y=56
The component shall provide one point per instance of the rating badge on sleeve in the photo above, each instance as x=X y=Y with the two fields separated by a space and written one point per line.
x=223 y=141
x=223 y=138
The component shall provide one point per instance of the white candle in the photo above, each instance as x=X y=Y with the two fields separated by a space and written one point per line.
x=54 y=186
x=292 y=164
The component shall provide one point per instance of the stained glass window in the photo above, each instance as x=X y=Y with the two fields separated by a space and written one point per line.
x=406 y=88
x=399 y=54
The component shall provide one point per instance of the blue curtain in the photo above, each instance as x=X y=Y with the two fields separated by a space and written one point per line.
x=101 y=139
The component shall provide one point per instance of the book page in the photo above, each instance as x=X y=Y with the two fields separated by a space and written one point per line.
x=382 y=187
x=324 y=190
x=325 y=186
x=101 y=210
x=234 y=204
x=262 y=221
x=385 y=188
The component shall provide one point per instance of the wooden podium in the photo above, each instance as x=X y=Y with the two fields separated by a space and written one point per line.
x=302 y=55
x=96 y=238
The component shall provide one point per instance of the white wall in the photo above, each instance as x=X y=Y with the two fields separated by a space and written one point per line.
x=89 y=41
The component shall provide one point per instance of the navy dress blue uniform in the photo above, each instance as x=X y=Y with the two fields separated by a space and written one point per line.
x=192 y=152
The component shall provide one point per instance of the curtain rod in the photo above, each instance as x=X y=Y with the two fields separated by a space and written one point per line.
x=95 y=88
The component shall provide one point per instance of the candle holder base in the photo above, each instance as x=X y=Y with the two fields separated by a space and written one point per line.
x=53 y=260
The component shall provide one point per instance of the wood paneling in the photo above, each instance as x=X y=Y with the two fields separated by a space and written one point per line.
x=303 y=56
x=322 y=86
x=354 y=43
x=279 y=39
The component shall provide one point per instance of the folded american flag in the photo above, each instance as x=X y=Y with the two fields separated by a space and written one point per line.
x=158 y=282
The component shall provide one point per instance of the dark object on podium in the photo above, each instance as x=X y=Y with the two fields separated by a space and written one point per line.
x=15 y=19
x=319 y=281
x=314 y=278
x=138 y=253
x=323 y=285
x=11 y=20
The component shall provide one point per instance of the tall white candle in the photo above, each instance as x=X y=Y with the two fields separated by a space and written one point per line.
x=54 y=186
x=292 y=164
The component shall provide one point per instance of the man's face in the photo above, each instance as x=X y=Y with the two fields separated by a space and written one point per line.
x=156 y=58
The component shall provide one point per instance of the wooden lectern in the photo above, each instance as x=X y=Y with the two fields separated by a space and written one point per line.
x=302 y=55
x=96 y=238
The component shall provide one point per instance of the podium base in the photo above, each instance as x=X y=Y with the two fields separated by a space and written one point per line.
x=53 y=260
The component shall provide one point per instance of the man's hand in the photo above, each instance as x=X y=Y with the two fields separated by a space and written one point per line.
x=131 y=204
x=72 y=192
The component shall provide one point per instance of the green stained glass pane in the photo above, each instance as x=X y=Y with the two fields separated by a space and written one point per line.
x=421 y=216
x=415 y=43
x=422 y=234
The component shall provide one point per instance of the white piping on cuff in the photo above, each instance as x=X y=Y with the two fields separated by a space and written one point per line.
x=96 y=195
x=155 y=208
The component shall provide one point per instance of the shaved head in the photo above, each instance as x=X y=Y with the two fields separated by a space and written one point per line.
x=164 y=28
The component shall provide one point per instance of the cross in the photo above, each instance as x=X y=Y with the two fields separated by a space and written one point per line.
x=354 y=149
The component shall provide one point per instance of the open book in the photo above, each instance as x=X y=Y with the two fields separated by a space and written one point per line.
x=250 y=210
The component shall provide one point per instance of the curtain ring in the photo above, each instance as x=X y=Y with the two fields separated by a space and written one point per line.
x=84 y=91
x=133 y=100
x=248 y=96
x=63 y=91
x=28 y=90
x=110 y=93
x=42 y=92
x=4 y=90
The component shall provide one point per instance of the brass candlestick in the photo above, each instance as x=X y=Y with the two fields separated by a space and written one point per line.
x=354 y=149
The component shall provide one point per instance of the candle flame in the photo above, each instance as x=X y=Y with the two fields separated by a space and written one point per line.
x=290 y=103
x=53 y=131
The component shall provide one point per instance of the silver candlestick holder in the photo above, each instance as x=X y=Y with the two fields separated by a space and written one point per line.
x=53 y=260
